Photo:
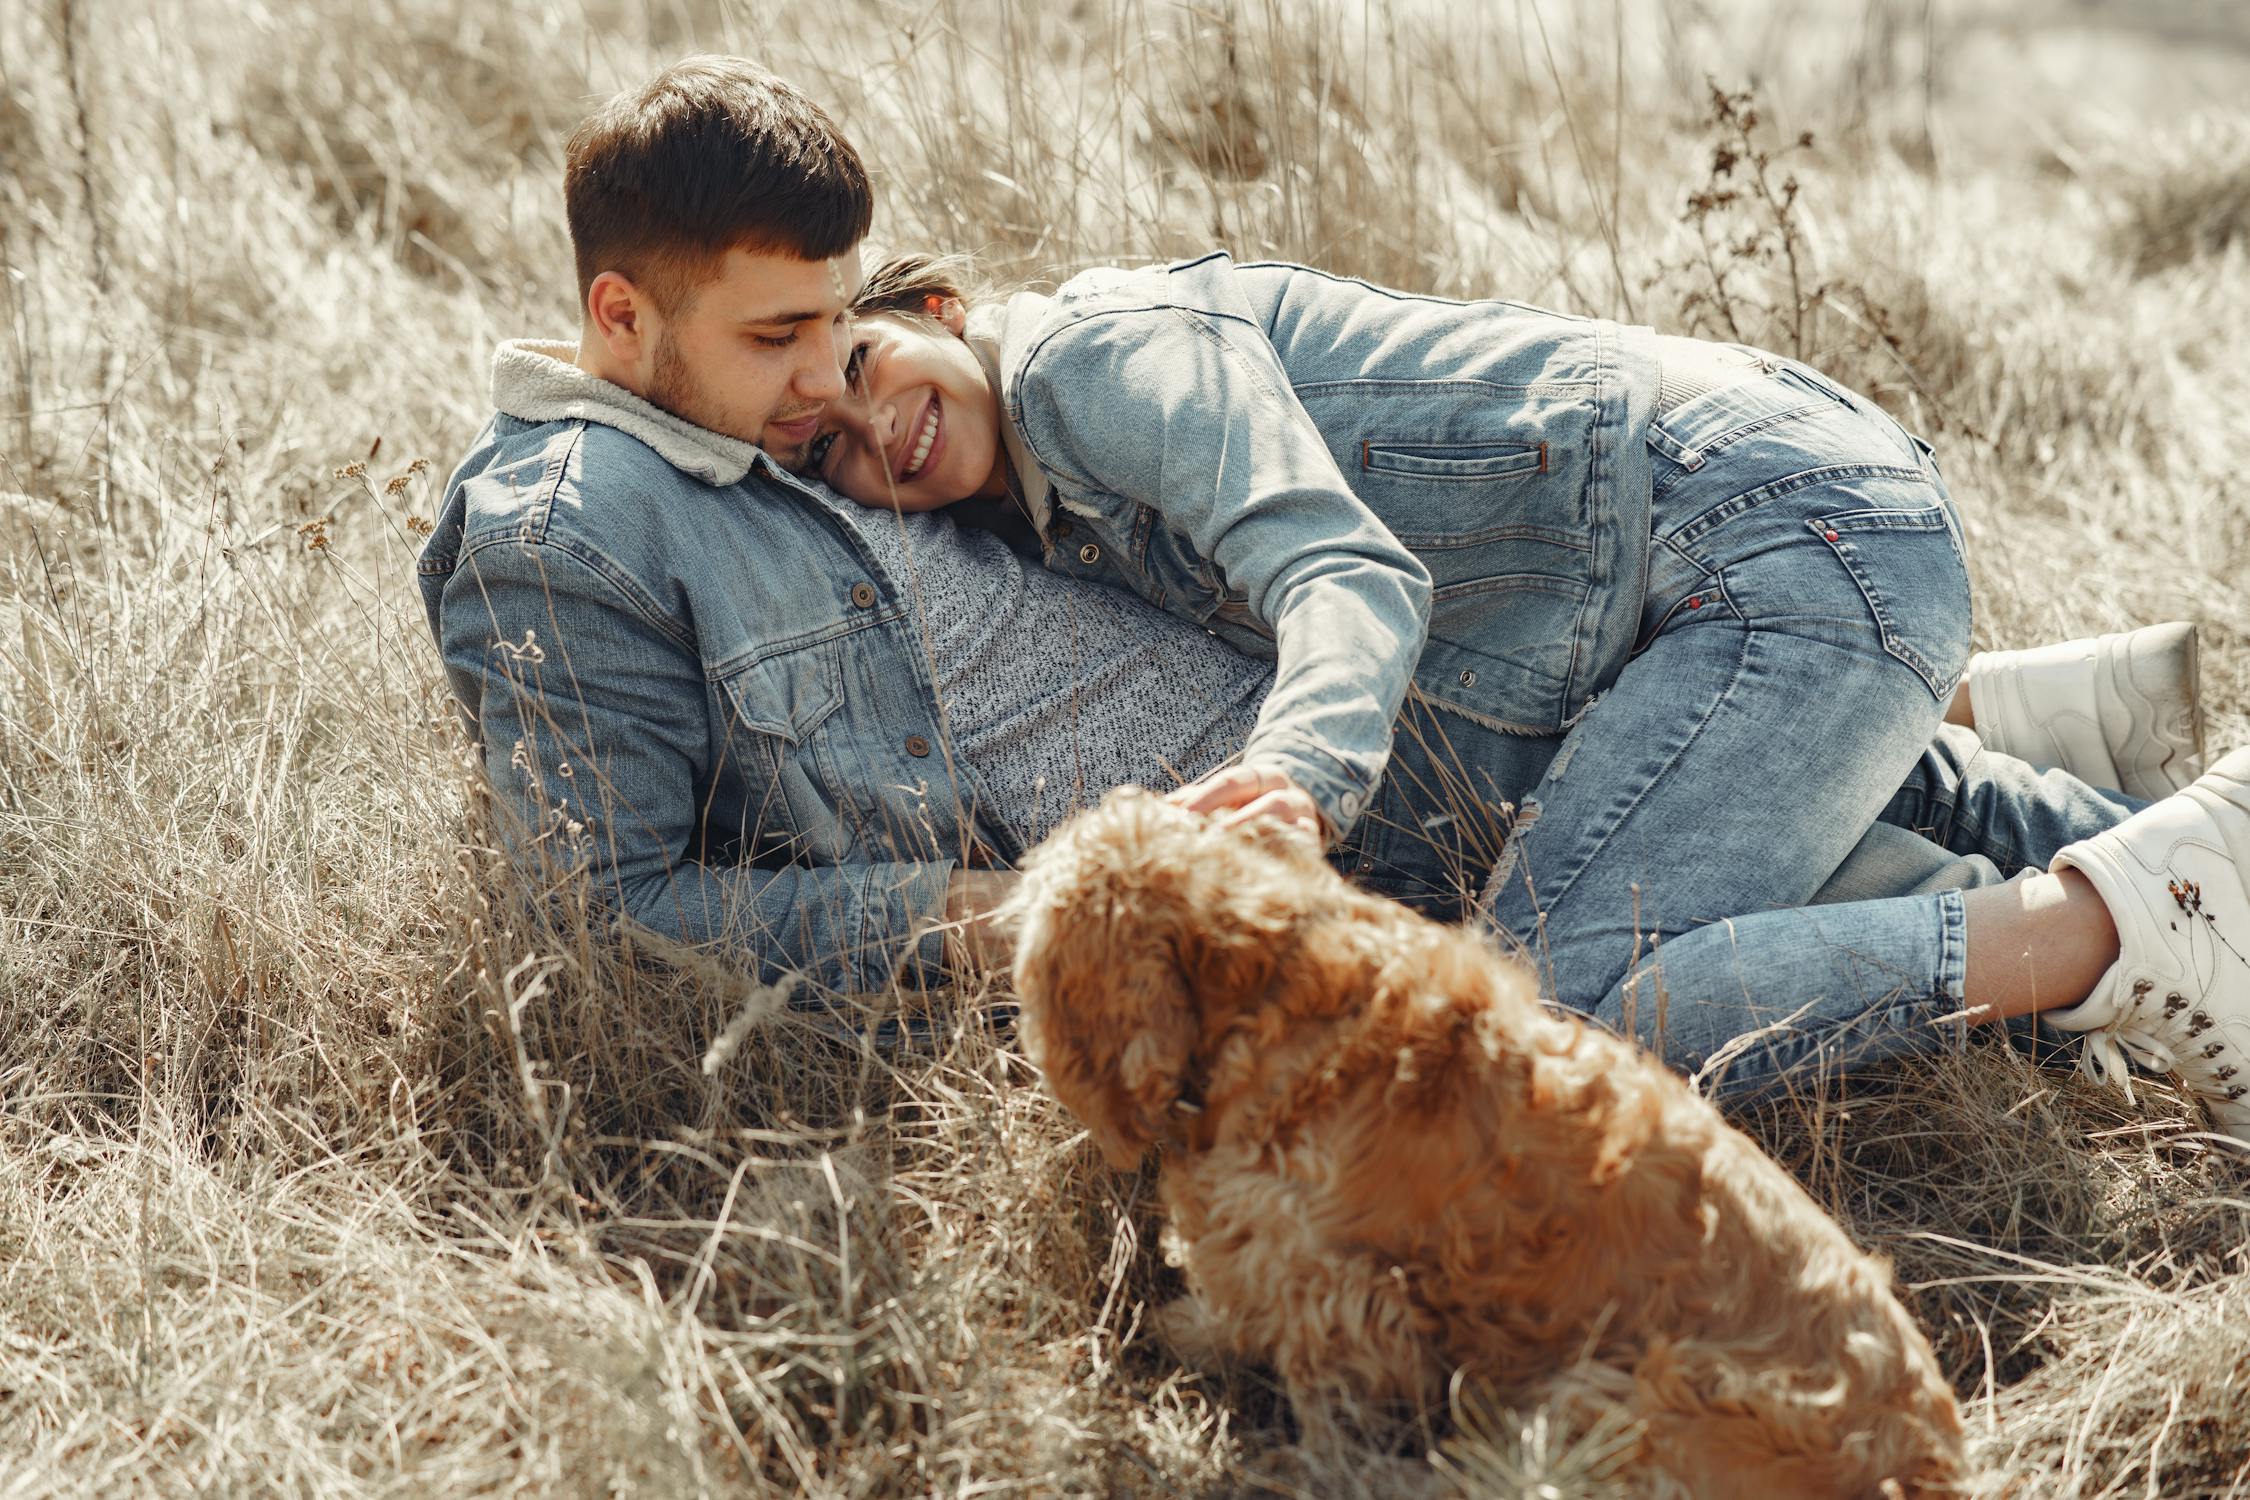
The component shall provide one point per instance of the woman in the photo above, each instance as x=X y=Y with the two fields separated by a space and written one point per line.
x=1700 y=610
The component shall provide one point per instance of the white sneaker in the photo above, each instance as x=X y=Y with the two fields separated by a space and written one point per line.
x=2176 y=879
x=2116 y=711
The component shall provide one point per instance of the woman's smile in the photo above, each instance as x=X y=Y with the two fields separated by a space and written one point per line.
x=926 y=436
x=919 y=423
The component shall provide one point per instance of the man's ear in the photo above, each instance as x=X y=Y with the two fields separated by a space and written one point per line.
x=622 y=316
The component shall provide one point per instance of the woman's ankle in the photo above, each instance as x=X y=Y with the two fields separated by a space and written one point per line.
x=1960 y=710
x=2038 y=943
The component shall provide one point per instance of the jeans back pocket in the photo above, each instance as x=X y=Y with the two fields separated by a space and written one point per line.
x=1908 y=565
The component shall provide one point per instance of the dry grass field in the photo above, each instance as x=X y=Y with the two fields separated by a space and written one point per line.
x=325 y=1170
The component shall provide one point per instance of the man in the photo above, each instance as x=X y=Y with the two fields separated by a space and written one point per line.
x=716 y=686
x=623 y=560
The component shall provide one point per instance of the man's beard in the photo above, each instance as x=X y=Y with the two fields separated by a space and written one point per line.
x=673 y=388
x=796 y=458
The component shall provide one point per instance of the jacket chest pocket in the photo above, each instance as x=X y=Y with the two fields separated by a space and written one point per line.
x=837 y=744
x=782 y=714
x=1457 y=463
x=1475 y=479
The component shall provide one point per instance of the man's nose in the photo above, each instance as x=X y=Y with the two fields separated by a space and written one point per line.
x=820 y=377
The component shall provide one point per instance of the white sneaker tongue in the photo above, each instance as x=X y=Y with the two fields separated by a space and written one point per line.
x=2040 y=705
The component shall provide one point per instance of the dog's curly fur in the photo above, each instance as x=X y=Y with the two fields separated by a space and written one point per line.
x=1387 y=1161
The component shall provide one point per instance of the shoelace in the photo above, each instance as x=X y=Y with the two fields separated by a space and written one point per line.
x=2102 y=1057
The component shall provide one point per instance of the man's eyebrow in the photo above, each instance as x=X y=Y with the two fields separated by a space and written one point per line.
x=777 y=319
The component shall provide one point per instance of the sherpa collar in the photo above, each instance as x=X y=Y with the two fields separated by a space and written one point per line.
x=537 y=380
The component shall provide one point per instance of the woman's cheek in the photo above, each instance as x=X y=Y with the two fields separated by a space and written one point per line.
x=974 y=461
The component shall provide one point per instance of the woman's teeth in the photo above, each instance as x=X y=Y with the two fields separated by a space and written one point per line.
x=921 y=452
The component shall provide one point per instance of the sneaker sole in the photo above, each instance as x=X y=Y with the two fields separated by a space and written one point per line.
x=2141 y=671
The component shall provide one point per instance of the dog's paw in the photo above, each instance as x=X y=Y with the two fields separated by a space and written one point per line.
x=1195 y=1335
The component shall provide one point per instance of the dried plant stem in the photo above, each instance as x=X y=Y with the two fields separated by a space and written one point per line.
x=68 y=24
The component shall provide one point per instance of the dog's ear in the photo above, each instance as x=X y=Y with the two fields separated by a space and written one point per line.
x=1138 y=915
x=1112 y=1030
x=1107 y=1012
x=1151 y=1069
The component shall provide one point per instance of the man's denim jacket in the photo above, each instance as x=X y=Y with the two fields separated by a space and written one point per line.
x=688 y=673
x=1313 y=467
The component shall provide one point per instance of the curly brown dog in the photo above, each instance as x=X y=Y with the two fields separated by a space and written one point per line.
x=1387 y=1160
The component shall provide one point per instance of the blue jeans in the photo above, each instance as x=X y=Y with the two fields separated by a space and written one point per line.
x=1967 y=816
x=1684 y=865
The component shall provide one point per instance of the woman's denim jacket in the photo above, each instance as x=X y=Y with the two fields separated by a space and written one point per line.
x=1369 y=488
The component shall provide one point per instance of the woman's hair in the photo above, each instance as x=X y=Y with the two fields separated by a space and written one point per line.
x=906 y=283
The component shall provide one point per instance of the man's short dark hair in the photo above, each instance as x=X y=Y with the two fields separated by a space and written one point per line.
x=713 y=154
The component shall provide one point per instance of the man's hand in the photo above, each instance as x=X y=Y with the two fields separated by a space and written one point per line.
x=1240 y=794
x=975 y=943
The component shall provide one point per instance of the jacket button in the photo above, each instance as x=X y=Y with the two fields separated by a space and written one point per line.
x=1468 y=679
x=863 y=595
x=1089 y=553
x=916 y=745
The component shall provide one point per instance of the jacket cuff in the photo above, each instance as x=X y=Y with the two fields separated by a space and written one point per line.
x=1342 y=789
x=916 y=907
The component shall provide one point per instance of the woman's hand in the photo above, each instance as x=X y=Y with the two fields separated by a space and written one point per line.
x=1241 y=794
